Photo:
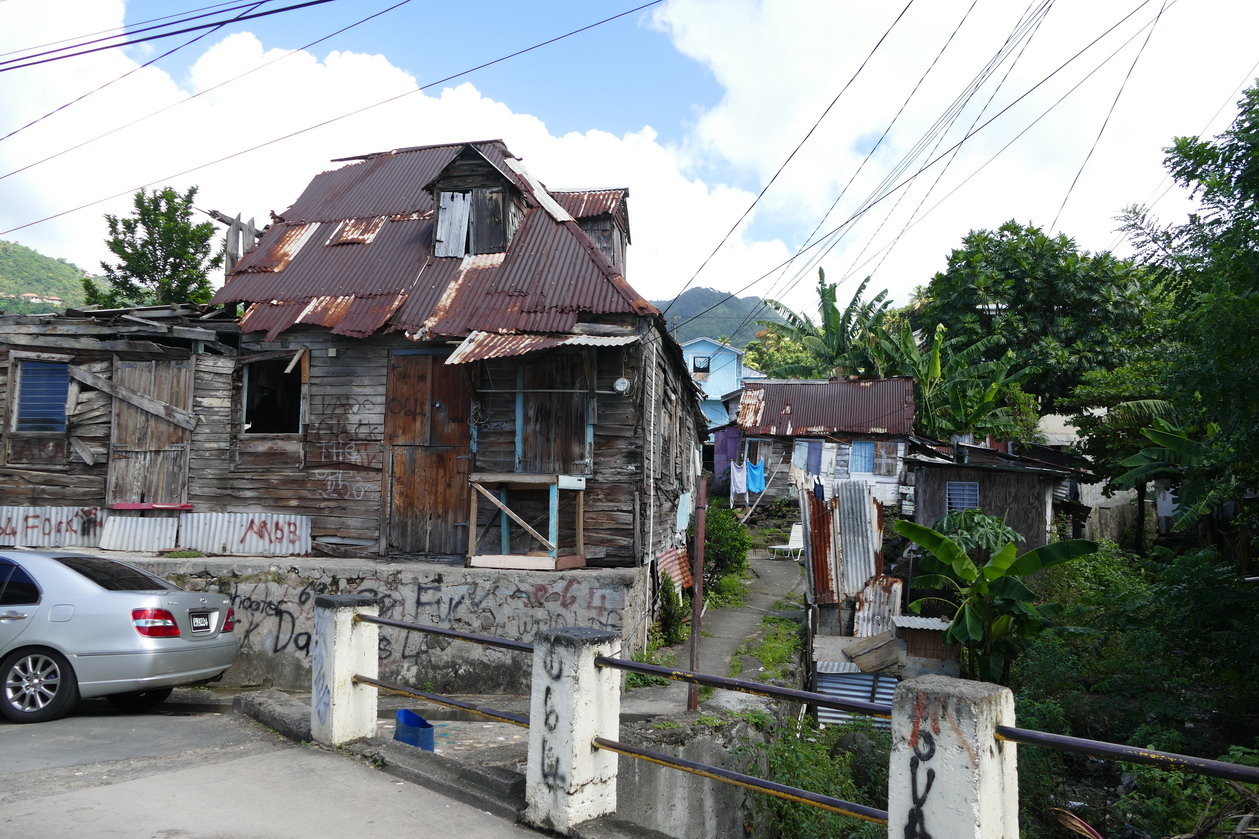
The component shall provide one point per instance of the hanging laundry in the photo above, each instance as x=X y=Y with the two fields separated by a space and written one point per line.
x=819 y=489
x=756 y=476
x=738 y=479
x=814 y=466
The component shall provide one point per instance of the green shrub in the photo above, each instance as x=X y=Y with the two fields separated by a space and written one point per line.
x=673 y=613
x=730 y=590
x=726 y=544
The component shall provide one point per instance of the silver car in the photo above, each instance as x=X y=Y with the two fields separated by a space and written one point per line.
x=85 y=626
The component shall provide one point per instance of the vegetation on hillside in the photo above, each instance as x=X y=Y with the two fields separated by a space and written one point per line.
x=708 y=313
x=24 y=271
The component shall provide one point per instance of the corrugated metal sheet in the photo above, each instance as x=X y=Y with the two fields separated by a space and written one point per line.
x=245 y=534
x=51 y=527
x=480 y=346
x=877 y=604
x=677 y=564
x=591 y=203
x=814 y=408
x=822 y=549
x=354 y=254
x=141 y=534
x=919 y=622
x=842 y=680
x=860 y=537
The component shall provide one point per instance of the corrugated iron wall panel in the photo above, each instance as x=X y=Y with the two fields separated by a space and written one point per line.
x=854 y=686
x=245 y=534
x=859 y=536
x=877 y=604
x=51 y=527
x=140 y=534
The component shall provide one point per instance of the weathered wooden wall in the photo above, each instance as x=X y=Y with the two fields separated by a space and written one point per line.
x=1024 y=501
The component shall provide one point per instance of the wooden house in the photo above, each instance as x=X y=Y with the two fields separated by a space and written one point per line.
x=1029 y=493
x=436 y=358
x=803 y=431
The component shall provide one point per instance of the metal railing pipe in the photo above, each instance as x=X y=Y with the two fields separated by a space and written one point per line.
x=872 y=709
x=438 y=699
x=487 y=640
x=1131 y=754
x=726 y=776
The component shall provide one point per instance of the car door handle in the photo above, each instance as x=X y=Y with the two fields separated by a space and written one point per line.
x=13 y=616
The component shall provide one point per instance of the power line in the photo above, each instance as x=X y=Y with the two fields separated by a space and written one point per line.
x=1123 y=86
x=83 y=42
x=210 y=89
x=156 y=37
x=861 y=211
x=869 y=154
x=136 y=69
x=818 y=122
x=1026 y=37
x=346 y=115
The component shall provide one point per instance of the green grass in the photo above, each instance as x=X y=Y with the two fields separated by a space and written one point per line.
x=777 y=649
x=657 y=654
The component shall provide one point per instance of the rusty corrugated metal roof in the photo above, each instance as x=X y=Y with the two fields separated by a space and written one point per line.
x=818 y=408
x=592 y=203
x=354 y=254
x=480 y=346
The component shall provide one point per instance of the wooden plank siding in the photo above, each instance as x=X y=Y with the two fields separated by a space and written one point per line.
x=1023 y=500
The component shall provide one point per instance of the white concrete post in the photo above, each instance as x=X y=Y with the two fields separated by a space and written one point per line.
x=341 y=710
x=950 y=778
x=568 y=780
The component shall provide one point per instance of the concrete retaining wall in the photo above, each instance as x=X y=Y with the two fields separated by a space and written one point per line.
x=275 y=601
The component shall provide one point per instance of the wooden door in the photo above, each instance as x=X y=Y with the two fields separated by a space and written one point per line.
x=148 y=454
x=427 y=439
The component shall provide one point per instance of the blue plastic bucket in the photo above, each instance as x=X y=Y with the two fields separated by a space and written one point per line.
x=414 y=730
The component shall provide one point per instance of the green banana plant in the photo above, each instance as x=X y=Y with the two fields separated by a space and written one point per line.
x=995 y=611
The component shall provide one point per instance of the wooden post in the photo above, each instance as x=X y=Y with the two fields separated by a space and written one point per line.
x=697 y=600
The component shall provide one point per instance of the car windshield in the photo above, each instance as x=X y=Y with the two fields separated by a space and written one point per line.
x=114 y=576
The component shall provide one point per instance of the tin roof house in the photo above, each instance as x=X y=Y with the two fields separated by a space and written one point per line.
x=435 y=357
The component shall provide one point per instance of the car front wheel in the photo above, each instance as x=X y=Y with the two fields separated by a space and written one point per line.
x=39 y=685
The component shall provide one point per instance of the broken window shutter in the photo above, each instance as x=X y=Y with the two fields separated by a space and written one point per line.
x=489 y=234
x=451 y=238
x=885 y=458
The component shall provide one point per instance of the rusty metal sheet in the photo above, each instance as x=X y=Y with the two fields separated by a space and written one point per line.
x=591 y=203
x=677 y=564
x=816 y=408
x=877 y=604
x=860 y=536
x=365 y=230
x=822 y=545
x=480 y=346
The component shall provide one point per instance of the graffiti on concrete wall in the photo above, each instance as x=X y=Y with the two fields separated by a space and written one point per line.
x=276 y=619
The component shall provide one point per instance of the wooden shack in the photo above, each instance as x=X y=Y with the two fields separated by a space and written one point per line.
x=434 y=360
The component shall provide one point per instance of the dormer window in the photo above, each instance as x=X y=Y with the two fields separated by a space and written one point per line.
x=473 y=221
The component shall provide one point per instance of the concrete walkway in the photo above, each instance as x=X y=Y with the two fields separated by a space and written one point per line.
x=722 y=633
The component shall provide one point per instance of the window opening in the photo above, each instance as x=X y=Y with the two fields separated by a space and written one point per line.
x=273 y=398
x=701 y=363
x=861 y=459
x=962 y=495
x=16 y=586
x=41 y=396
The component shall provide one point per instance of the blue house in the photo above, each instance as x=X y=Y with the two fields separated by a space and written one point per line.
x=717 y=369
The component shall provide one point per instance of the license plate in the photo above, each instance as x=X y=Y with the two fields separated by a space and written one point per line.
x=201 y=622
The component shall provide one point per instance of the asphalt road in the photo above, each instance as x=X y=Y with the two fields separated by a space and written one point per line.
x=187 y=775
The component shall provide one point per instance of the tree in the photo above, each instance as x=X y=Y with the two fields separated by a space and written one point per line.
x=162 y=256
x=839 y=344
x=1058 y=309
x=955 y=392
x=996 y=611
x=1209 y=264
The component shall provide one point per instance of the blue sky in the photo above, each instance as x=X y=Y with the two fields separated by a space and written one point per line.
x=695 y=105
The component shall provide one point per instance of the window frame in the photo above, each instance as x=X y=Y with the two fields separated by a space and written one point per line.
x=968 y=487
x=7 y=578
x=295 y=367
x=37 y=449
x=707 y=364
x=852 y=457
